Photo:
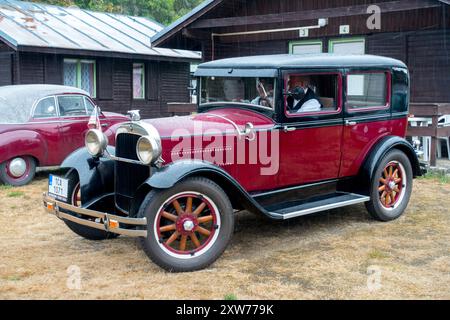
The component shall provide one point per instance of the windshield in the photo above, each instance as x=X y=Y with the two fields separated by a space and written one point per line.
x=251 y=91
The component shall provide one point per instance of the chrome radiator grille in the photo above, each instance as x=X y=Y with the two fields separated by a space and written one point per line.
x=128 y=176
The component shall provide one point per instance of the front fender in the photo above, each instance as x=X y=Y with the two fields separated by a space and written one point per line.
x=171 y=174
x=96 y=175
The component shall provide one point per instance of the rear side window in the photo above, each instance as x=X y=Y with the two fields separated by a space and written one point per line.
x=70 y=106
x=367 y=91
x=89 y=105
x=45 y=108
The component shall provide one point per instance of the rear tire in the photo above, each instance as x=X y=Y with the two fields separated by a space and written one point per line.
x=391 y=187
x=75 y=200
x=189 y=225
x=18 y=171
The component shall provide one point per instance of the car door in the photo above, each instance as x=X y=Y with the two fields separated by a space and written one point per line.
x=46 y=122
x=367 y=115
x=74 y=121
x=310 y=141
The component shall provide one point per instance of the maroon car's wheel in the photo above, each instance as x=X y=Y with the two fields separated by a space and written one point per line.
x=18 y=171
x=391 y=187
x=188 y=225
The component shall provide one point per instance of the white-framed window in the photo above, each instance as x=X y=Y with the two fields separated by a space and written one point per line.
x=347 y=46
x=138 y=81
x=81 y=74
x=305 y=47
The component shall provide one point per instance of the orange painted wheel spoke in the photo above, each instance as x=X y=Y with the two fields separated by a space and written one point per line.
x=398 y=180
x=203 y=231
x=205 y=219
x=383 y=197
x=199 y=209
x=388 y=199
x=169 y=216
x=386 y=175
x=189 y=205
x=396 y=190
x=177 y=207
x=183 y=243
x=390 y=171
x=395 y=175
x=168 y=228
x=383 y=181
x=195 y=239
x=172 y=238
x=382 y=188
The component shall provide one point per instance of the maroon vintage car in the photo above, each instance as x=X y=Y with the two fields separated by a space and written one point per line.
x=282 y=136
x=40 y=125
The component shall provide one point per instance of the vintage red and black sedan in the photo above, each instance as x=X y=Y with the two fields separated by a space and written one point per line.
x=282 y=136
x=40 y=125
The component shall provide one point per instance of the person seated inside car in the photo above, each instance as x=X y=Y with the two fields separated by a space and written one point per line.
x=264 y=87
x=302 y=97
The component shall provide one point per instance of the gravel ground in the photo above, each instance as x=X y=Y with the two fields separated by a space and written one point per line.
x=341 y=254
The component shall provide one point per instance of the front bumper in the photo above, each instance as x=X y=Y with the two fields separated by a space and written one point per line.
x=102 y=221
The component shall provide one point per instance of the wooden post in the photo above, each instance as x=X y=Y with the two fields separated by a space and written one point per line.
x=434 y=141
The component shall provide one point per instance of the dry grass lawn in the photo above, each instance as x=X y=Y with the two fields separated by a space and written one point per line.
x=325 y=256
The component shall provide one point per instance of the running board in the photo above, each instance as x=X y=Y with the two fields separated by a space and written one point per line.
x=334 y=201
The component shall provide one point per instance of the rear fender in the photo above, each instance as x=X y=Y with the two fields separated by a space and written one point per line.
x=23 y=143
x=96 y=175
x=377 y=154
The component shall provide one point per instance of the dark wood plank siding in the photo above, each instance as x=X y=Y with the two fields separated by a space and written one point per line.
x=165 y=81
x=429 y=60
x=6 y=68
x=32 y=68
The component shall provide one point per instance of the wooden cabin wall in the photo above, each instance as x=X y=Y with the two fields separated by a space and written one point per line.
x=165 y=81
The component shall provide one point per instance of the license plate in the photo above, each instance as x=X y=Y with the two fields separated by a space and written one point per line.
x=58 y=187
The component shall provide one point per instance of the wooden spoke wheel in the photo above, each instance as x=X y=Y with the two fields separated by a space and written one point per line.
x=392 y=185
x=187 y=224
x=76 y=196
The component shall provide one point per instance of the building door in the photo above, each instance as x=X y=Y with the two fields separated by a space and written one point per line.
x=347 y=46
x=304 y=47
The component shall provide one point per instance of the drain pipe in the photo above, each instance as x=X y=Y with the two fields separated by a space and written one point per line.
x=322 y=23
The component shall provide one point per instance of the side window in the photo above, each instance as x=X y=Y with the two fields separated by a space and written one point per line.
x=70 y=106
x=367 y=91
x=89 y=105
x=45 y=108
x=312 y=93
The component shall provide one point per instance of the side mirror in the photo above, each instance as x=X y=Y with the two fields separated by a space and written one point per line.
x=248 y=128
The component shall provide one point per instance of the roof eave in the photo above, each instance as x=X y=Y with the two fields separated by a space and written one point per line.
x=187 y=19
x=112 y=54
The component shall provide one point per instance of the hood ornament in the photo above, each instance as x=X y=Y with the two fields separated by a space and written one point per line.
x=134 y=115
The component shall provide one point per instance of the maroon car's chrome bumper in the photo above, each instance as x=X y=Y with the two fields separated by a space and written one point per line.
x=106 y=222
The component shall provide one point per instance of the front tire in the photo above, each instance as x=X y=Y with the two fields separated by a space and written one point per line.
x=189 y=226
x=74 y=199
x=391 y=187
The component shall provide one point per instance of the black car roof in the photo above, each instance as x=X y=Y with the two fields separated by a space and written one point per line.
x=324 y=60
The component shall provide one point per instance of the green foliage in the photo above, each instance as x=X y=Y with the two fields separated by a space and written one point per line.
x=16 y=194
x=163 y=11
x=442 y=177
x=230 y=297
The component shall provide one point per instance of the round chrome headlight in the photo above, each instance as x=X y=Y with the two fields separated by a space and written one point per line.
x=95 y=142
x=148 y=149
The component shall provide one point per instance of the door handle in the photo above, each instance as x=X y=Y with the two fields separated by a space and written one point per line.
x=105 y=125
x=288 y=129
x=349 y=123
